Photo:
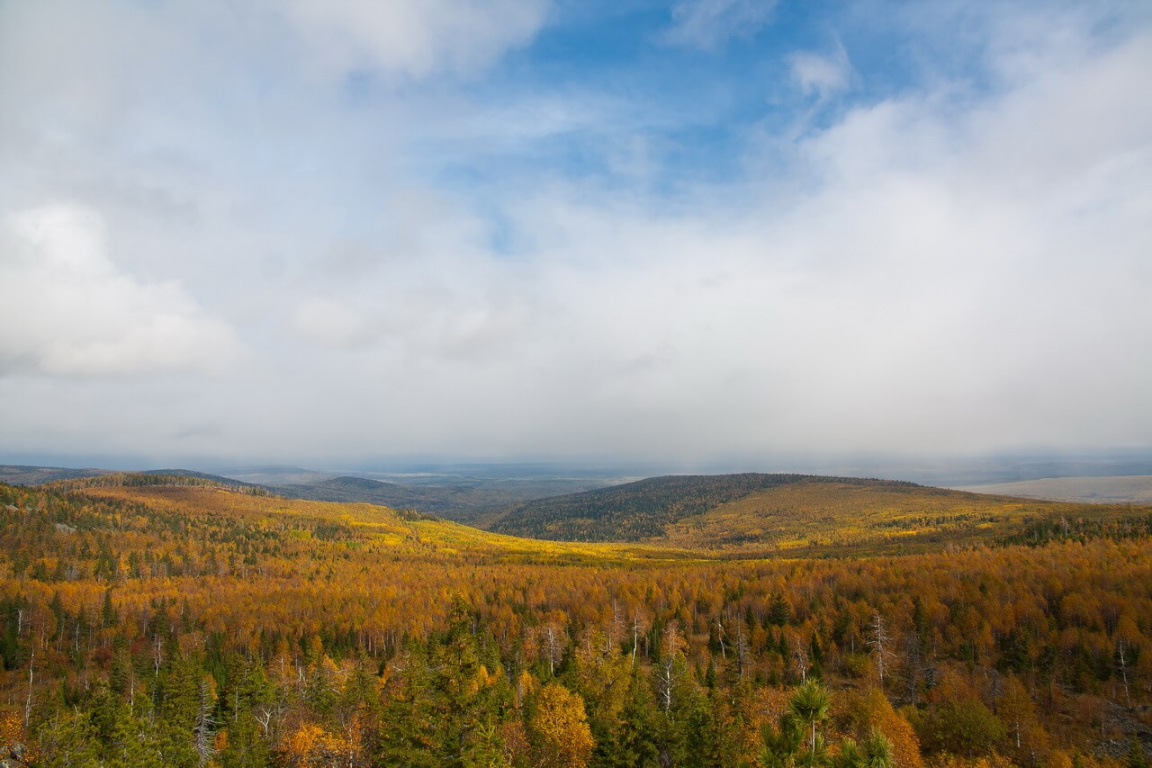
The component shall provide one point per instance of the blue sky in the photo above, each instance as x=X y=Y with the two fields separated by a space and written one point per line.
x=322 y=232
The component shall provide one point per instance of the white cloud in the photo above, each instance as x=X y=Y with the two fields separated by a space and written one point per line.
x=710 y=24
x=329 y=323
x=820 y=74
x=414 y=38
x=924 y=273
x=68 y=311
x=938 y=278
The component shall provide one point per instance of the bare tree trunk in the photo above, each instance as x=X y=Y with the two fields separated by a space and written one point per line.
x=205 y=746
x=1124 y=673
x=28 y=703
x=741 y=651
x=880 y=643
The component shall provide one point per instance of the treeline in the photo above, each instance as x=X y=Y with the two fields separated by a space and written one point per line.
x=155 y=479
x=215 y=628
x=1065 y=528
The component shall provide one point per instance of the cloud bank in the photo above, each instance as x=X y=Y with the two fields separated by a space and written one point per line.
x=426 y=242
x=68 y=311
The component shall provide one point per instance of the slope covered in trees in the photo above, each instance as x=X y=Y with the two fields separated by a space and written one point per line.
x=452 y=493
x=825 y=515
x=632 y=511
x=148 y=624
x=18 y=474
x=459 y=497
x=763 y=515
x=455 y=502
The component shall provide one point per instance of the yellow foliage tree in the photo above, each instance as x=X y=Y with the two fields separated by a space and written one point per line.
x=559 y=728
x=870 y=709
x=310 y=746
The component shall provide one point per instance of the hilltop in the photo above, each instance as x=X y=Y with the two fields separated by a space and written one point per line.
x=758 y=515
x=629 y=512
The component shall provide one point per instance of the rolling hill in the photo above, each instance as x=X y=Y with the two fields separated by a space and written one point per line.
x=406 y=534
x=755 y=515
x=637 y=511
x=463 y=498
x=359 y=489
x=828 y=515
x=743 y=516
x=19 y=474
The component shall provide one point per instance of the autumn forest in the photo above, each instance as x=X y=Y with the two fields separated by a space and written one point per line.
x=153 y=620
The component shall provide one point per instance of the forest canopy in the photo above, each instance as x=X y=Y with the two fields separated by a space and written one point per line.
x=178 y=622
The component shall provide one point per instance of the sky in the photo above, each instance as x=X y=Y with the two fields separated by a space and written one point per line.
x=325 y=231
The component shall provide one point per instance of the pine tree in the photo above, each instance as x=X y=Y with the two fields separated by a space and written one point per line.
x=782 y=744
x=134 y=742
x=810 y=706
x=108 y=616
x=632 y=744
x=180 y=707
x=68 y=740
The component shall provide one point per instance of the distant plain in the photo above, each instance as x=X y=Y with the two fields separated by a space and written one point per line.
x=1135 y=489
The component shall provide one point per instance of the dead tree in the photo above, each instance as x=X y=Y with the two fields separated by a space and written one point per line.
x=671 y=670
x=880 y=644
x=639 y=627
x=204 y=728
x=1122 y=663
x=742 y=650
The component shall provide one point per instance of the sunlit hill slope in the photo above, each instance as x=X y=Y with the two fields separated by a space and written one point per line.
x=762 y=515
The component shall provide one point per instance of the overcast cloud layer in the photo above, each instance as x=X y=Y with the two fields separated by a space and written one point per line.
x=324 y=231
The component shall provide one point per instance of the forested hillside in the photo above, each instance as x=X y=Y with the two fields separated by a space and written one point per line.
x=452 y=495
x=358 y=489
x=829 y=516
x=15 y=474
x=167 y=621
x=462 y=503
x=632 y=511
x=765 y=515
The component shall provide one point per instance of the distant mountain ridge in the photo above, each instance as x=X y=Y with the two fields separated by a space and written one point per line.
x=22 y=474
x=464 y=501
x=468 y=503
x=220 y=479
x=736 y=516
x=359 y=489
x=156 y=478
x=644 y=509
x=730 y=515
